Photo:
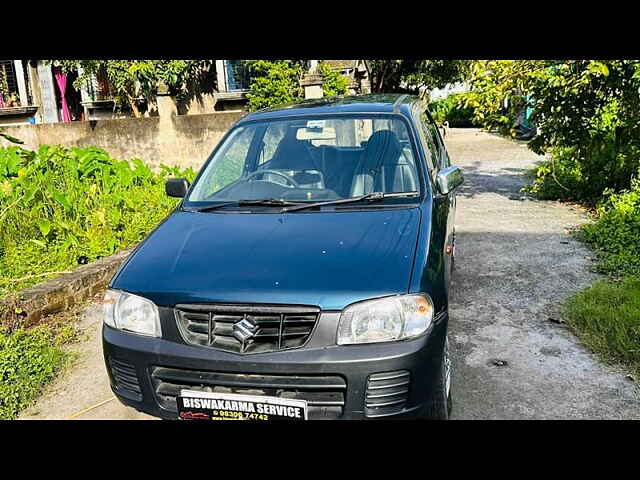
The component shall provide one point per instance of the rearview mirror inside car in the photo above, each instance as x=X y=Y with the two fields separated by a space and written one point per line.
x=449 y=179
x=176 y=187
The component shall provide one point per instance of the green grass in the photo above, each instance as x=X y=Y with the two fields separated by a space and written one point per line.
x=606 y=317
x=29 y=359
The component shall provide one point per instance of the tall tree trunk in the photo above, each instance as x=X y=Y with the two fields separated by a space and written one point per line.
x=134 y=107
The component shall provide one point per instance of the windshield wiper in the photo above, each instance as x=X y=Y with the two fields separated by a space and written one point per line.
x=248 y=203
x=370 y=197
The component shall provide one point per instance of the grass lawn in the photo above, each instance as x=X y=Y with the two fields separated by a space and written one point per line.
x=29 y=359
x=606 y=317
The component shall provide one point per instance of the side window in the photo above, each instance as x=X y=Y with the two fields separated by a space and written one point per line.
x=433 y=135
x=229 y=164
x=434 y=147
x=444 y=156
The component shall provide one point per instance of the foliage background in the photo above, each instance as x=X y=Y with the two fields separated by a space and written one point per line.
x=276 y=83
x=414 y=76
x=454 y=110
x=134 y=80
x=60 y=207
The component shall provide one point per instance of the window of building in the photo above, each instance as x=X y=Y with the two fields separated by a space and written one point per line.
x=9 y=96
x=236 y=75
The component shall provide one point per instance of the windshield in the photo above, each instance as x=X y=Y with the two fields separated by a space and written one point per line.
x=310 y=160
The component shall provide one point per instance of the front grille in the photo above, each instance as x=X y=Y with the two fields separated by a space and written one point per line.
x=325 y=394
x=126 y=378
x=387 y=393
x=246 y=328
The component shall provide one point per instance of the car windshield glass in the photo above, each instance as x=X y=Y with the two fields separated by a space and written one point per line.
x=310 y=160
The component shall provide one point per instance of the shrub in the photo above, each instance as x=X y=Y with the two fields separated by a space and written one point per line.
x=333 y=83
x=28 y=360
x=615 y=235
x=273 y=83
x=562 y=177
x=63 y=206
x=453 y=110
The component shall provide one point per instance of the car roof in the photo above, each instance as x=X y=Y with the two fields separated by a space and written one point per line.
x=371 y=103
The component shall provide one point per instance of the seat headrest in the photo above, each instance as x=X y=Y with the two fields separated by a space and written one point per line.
x=383 y=143
x=292 y=154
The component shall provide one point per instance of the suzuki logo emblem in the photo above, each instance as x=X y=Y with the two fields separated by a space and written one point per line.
x=244 y=330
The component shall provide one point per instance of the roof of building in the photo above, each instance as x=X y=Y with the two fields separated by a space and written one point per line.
x=371 y=103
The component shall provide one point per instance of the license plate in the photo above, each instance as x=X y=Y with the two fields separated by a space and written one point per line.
x=193 y=405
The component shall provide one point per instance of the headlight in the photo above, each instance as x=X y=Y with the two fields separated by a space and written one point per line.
x=129 y=312
x=386 y=319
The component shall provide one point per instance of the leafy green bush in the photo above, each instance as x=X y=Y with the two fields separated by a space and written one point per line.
x=273 y=83
x=615 y=235
x=63 y=206
x=333 y=83
x=564 y=177
x=28 y=360
x=276 y=83
x=606 y=317
x=453 y=110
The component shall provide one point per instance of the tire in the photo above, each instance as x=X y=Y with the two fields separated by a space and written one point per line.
x=441 y=400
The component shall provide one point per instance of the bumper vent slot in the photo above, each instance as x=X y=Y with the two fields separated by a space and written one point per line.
x=126 y=379
x=246 y=328
x=325 y=394
x=387 y=393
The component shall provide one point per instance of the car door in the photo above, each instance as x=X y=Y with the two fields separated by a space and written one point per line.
x=441 y=160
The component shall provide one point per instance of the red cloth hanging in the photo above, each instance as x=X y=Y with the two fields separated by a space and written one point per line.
x=61 y=80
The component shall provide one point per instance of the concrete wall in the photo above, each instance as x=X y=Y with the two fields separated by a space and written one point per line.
x=184 y=140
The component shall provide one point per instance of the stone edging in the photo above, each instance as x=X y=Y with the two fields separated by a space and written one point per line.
x=59 y=293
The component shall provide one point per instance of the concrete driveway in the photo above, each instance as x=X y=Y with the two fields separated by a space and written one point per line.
x=514 y=263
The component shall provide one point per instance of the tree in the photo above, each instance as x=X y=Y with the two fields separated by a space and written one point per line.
x=587 y=113
x=132 y=79
x=413 y=76
x=273 y=83
x=333 y=83
x=498 y=90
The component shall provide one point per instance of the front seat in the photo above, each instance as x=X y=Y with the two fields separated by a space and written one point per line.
x=376 y=169
x=291 y=154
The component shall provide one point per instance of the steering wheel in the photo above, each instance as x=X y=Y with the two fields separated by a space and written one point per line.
x=274 y=172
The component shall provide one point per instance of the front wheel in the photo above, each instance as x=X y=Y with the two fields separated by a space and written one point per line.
x=441 y=401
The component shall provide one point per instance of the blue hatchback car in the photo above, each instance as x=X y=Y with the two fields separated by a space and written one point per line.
x=304 y=275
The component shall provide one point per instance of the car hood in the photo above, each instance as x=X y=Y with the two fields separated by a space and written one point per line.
x=328 y=259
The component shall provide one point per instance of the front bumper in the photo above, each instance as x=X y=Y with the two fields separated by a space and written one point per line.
x=142 y=370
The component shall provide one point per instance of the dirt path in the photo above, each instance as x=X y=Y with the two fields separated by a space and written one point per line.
x=515 y=263
x=83 y=392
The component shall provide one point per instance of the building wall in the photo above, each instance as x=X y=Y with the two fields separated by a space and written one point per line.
x=184 y=140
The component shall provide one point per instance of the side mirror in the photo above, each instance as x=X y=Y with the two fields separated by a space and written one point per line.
x=176 y=187
x=449 y=179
